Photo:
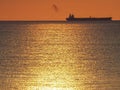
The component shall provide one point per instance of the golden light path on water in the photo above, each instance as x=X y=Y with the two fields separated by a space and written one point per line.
x=58 y=64
x=64 y=56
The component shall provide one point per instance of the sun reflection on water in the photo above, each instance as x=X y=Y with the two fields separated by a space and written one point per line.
x=48 y=59
x=48 y=88
x=58 y=57
x=57 y=61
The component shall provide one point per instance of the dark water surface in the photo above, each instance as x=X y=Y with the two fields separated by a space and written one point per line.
x=59 y=56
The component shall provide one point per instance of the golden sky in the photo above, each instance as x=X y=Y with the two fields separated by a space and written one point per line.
x=57 y=9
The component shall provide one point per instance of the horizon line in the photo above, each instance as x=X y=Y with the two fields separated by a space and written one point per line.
x=38 y=20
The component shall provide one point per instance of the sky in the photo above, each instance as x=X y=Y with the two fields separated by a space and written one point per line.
x=57 y=9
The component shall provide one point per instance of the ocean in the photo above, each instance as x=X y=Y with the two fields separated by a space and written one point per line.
x=59 y=55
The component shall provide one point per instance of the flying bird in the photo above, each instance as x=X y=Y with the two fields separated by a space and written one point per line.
x=55 y=7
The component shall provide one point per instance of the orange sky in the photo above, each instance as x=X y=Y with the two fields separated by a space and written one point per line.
x=57 y=9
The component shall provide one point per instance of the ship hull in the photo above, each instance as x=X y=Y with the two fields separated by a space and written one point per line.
x=89 y=19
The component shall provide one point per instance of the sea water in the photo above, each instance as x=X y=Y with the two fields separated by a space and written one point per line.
x=59 y=55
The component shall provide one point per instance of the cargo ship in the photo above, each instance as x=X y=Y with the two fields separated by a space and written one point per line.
x=73 y=18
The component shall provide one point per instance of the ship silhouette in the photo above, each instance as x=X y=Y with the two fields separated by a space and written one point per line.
x=73 y=18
